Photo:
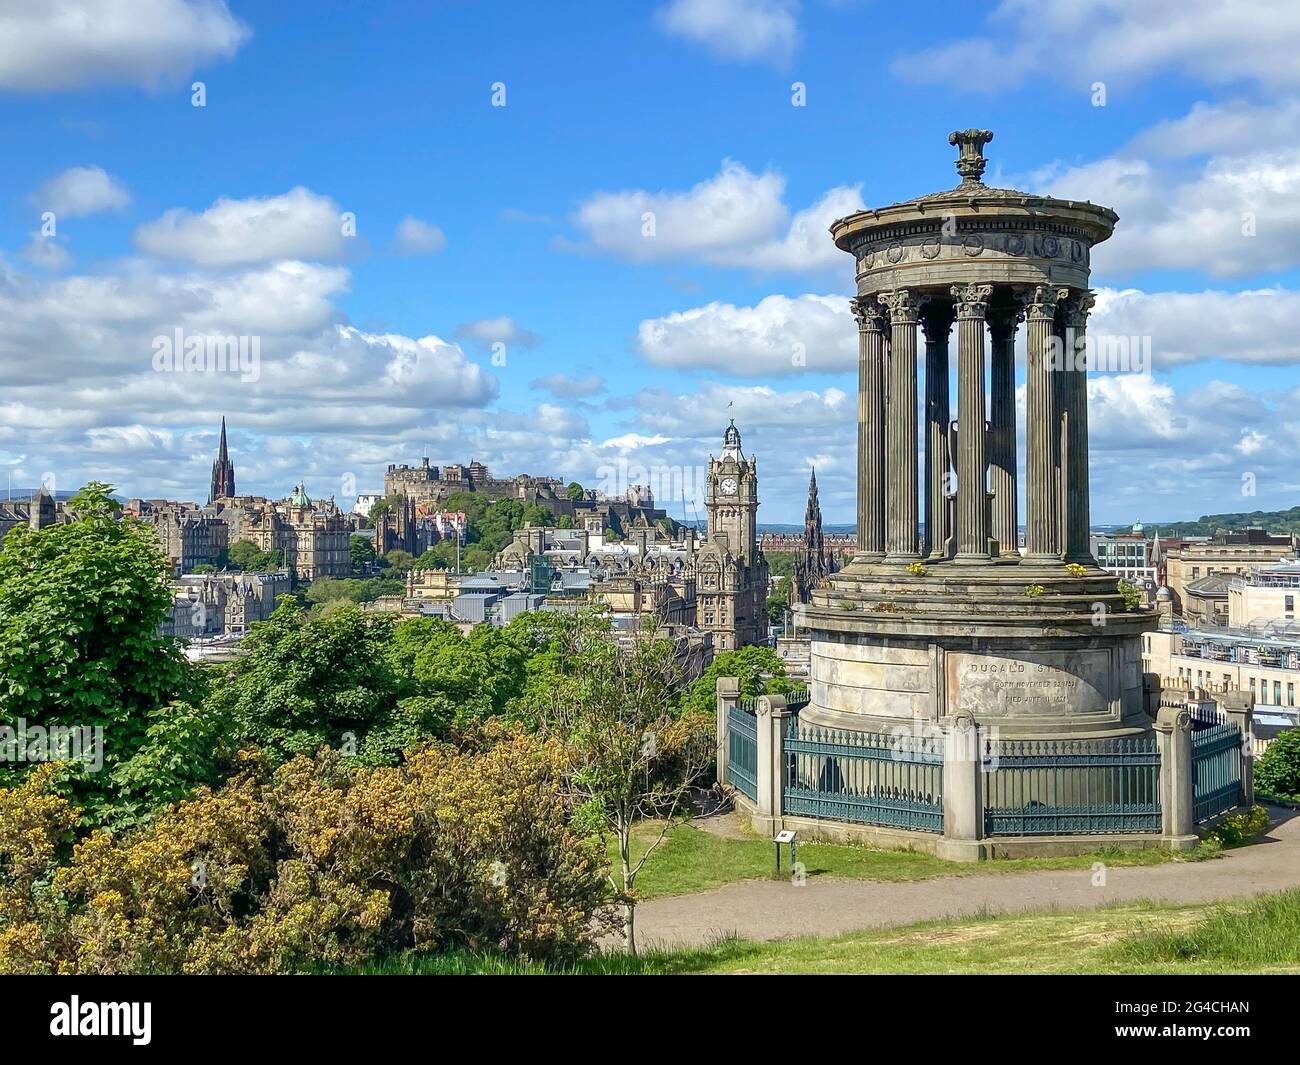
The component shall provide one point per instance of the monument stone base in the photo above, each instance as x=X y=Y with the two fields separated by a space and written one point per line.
x=1029 y=651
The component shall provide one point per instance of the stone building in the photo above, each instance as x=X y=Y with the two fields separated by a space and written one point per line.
x=1230 y=552
x=1264 y=596
x=718 y=584
x=815 y=559
x=36 y=513
x=314 y=537
x=222 y=604
x=429 y=486
x=188 y=534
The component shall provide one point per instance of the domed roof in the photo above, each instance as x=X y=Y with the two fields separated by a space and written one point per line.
x=1164 y=593
x=300 y=497
x=972 y=199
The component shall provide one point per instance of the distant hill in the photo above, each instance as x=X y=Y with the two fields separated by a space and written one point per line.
x=1274 y=521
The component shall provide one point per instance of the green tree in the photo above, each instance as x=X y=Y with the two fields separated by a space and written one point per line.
x=778 y=603
x=1277 y=772
x=1132 y=594
x=362 y=549
x=780 y=563
x=441 y=555
x=246 y=555
x=759 y=669
x=384 y=506
x=81 y=608
x=351 y=589
x=574 y=491
x=307 y=682
x=399 y=561
x=612 y=709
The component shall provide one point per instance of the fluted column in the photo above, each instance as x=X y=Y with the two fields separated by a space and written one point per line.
x=936 y=322
x=901 y=518
x=1002 y=320
x=1076 y=518
x=872 y=357
x=1042 y=542
x=972 y=459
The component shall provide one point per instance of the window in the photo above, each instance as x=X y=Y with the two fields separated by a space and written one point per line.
x=1290 y=695
x=1277 y=692
x=1252 y=685
x=1288 y=604
x=1196 y=572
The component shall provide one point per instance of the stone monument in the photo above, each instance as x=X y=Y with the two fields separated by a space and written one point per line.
x=947 y=620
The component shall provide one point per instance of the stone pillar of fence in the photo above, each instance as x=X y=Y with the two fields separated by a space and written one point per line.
x=1239 y=708
x=1177 y=805
x=963 y=800
x=773 y=717
x=728 y=689
x=1151 y=689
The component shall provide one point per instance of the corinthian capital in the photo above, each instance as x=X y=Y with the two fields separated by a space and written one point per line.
x=1076 y=310
x=869 y=313
x=1043 y=300
x=903 y=304
x=972 y=301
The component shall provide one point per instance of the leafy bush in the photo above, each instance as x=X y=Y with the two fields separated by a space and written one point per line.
x=81 y=606
x=306 y=866
x=1237 y=829
x=1277 y=771
x=760 y=669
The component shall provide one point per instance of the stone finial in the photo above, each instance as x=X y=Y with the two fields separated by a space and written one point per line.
x=971 y=161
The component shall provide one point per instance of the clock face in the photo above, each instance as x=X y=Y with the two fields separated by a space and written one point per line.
x=729 y=486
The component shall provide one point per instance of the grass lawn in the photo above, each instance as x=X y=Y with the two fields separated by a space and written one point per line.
x=692 y=859
x=1259 y=936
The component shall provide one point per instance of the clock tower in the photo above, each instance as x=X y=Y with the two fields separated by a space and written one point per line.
x=731 y=497
x=732 y=572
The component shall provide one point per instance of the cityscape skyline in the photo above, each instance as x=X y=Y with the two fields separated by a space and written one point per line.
x=494 y=294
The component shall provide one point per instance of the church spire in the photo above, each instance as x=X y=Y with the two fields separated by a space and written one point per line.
x=223 y=471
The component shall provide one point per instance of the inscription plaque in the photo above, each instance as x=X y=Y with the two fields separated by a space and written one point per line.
x=1030 y=684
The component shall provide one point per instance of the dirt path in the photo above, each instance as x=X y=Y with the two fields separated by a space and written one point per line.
x=825 y=906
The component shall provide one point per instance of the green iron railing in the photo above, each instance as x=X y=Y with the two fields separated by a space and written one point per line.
x=742 y=751
x=863 y=777
x=1071 y=787
x=1216 y=770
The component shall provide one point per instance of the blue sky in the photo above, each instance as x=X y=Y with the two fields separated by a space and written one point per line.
x=523 y=229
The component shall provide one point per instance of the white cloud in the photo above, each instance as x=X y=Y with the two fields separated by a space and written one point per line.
x=741 y=30
x=503 y=330
x=80 y=191
x=735 y=218
x=296 y=225
x=1118 y=42
x=1237 y=215
x=46 y=252
x=565 y=386
x=65 y=44
x=1234 y=127
x=778 y=335
x=1255 y=326
x=414 y=237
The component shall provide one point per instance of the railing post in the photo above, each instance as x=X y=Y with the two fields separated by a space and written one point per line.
x=773 y=715
x=1177 y=783
x=728 y=689
x=963 y=801
x=1239 y=706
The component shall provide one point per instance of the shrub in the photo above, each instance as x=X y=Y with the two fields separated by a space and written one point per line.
x=1277 y=772
x=306 y=866
x=1237 y=829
